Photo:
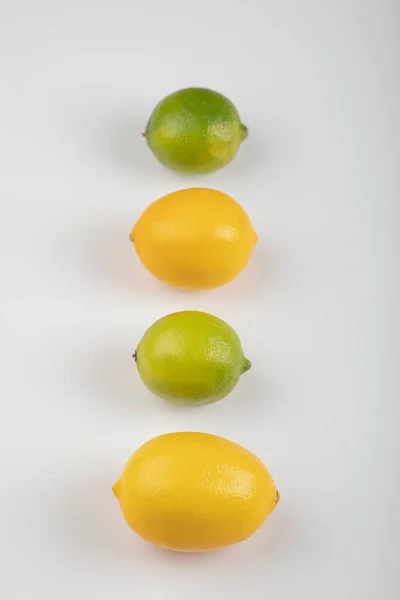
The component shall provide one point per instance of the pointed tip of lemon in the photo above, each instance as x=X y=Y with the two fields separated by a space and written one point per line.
x=244 y=132
x=131 y=236
x=277 y=497
x=116 y=489
x=246 y=365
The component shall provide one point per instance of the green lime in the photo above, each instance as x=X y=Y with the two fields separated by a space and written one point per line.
x=195 y=130
x=191 y=358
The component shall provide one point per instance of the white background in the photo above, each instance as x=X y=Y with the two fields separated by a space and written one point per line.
x=317 y=84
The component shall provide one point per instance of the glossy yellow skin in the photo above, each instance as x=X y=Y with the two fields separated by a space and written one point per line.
x=193 y=492
x=194 y=239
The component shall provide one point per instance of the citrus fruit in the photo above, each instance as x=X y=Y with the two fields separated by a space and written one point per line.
x=194 y=238
x=195 y=130
x=190 y=358
x=193 y=492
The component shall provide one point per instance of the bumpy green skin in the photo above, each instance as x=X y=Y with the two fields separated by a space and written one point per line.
x=195 y=130
x=191 y=358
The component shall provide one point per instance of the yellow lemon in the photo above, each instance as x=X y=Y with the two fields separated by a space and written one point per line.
x=194 y=239
x=193 y=492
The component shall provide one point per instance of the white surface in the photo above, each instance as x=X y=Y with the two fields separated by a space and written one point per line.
x=317 y=83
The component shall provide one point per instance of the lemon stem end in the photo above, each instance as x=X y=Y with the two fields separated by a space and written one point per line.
x=246 y=365
x=116 y=489
x=244 y=132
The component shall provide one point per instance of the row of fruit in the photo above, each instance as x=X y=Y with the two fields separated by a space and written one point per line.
x=189 y=491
